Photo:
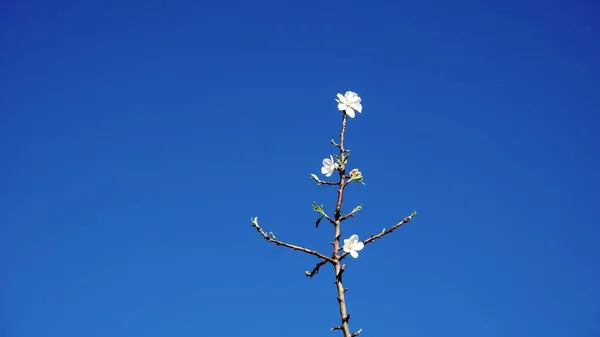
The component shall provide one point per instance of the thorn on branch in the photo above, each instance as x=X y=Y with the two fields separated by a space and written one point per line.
x=337 y=327
x=346 y=319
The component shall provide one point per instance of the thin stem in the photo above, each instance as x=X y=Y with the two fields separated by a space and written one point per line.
x=289 y=245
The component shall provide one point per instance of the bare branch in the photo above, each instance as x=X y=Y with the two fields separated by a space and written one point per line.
x=316 y=269
x=355 y=334
x=347 y=216
x=323 y=182
x=271 y=238
x=391 y=229
x=330 y=183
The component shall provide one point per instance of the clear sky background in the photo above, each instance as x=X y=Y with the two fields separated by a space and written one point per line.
x=139 y=137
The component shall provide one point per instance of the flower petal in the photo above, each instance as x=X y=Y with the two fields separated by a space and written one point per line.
x=358 y=246
x=354 y=254
x=341 y=98
x=350 y=112
x=356 y=106
x=347 y=249
x=353 y=239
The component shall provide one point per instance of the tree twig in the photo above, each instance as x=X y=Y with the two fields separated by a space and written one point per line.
x=271 y=238
x=331 y=183
x=391 y=229
x=316 y=269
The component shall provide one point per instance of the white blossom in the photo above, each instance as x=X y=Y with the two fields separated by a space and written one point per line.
x=329 y=165
x=349 y=102
x=352 y=246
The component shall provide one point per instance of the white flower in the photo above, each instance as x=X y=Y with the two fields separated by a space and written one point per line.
x=349 y=102
x=352 y=246
x=329 y=165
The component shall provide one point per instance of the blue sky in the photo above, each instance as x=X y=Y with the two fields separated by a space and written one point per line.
x=139 y=137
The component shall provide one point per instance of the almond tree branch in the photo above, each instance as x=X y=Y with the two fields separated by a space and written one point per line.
x=331 y=183
x=323 y=182
x=347 y=216
x=391 y=229
x=339 y=268
x=351 y=214
x=375 y=237
x=316 y=269
x=271 y=238
x=386 y=231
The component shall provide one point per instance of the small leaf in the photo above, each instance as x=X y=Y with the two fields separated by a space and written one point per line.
x=357 y=208
x=314 y=177
x=318 y=209
x=273 y=235
x=334 y=143
x=254 y=221
x=346 y=156
x=319 y=221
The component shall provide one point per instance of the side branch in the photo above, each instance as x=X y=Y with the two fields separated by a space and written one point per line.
x=323 y=182
x=391 y=229
x=271 y=238
x=386 y=231
x=316 y=269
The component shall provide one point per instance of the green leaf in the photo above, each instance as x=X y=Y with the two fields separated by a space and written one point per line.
x=314 y=177
x=318 y=209
x=254 y=221
x=357 y=208
x=273 y=235
x=319 y=221
x=346 y=156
